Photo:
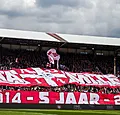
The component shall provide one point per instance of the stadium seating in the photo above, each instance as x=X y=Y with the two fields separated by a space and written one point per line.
x=71 y=62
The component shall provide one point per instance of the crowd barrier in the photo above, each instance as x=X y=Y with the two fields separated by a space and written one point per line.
x=60 y=106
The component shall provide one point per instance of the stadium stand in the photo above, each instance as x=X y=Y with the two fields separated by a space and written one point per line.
x=72 y=62
x=81 y=61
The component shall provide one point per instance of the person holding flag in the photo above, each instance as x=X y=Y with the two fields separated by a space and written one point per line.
x=53 y=56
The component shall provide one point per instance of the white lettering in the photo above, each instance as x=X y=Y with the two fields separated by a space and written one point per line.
x=94 y=98
x=117 y=99
x=27 y=71
x=2 y=78
x=47 y=76
x=12 y=78
x=61 y=101
x=83 y=99
x=70 y=99
x=16 y=98
x=7 y=97
x=1 y=98
x=44 y=97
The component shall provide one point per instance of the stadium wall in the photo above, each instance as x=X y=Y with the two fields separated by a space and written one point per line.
x=60 y=107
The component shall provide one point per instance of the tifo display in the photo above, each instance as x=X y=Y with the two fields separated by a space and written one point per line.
x=53 y=77
x=27 y=79
x=51 y=86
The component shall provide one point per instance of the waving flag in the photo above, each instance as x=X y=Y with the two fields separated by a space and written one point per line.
x=52 y=55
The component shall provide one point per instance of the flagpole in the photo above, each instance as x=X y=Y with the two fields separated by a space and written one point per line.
x=57 y=64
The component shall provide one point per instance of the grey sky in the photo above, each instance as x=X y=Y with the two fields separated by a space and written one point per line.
x=87 y=17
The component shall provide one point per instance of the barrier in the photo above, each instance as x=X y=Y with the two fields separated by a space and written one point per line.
x=60 y=106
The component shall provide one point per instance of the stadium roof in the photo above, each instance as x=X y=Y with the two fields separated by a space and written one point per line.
x=91 y=40
x=42 y=36
x=30 y=35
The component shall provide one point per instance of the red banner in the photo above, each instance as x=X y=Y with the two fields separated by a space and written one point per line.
x=53 y=77
x=58 y=98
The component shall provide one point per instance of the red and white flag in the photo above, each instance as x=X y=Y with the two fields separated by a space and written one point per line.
x=52 y=55
x=51 y=60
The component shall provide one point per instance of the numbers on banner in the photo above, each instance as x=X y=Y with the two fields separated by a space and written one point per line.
x=1 y=98
x=44 y=97
x=16 y=98
x=7 y=97
x=117 y=99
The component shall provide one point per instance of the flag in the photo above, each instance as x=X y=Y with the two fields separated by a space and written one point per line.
x=52 y=55
x=51 y=60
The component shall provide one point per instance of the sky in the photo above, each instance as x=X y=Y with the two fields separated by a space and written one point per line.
x=84 y=17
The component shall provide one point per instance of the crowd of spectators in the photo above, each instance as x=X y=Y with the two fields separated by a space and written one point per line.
x=77 y=62
x=105 y=63
x=24 y=59
x=65 y=88
x=68 y=61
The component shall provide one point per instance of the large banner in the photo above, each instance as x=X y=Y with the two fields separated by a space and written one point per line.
x=53 y=77
x=58 y=98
